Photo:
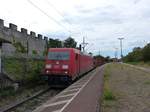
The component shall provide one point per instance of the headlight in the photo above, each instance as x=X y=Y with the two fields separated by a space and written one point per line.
x=66 y=72
x=47 y=71
x=64 y=66
x=48 y=66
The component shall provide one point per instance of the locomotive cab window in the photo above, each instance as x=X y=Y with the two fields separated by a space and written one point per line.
x=58 y=55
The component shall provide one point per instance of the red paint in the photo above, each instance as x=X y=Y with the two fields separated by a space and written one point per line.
x=78 y=63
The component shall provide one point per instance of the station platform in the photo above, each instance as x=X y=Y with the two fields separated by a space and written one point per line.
x=82 y=96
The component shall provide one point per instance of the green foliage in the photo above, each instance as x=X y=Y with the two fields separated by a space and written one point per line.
x=54 y=43
x=13 y=67
x=138 y=54
x=6 y=92
x=90 y=53
x=135 y=55
x=70 y=43
x=26 y=70
x=99 y=56
x=147 y=82
x=146 y=52
x=108 y=95
x=106 y=77
x=45 y=52
x=19 y=47
x=34 y=52
x=104 y=59
x=33 y=70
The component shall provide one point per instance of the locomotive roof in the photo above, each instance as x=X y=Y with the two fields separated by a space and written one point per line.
x=63 y=48
x=76 y=50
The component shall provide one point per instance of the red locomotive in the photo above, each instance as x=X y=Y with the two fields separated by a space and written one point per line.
x=63 y=65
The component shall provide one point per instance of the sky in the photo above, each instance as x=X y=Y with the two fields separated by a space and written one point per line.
x=100 y=22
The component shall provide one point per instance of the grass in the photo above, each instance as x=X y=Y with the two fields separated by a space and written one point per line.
x=147 y=82
x=108 y=93
x=106 y=76
x=133 y=63
x=125 y=88
x=6 y=92
x=23 y=70
x=108 y=98
x=143 y=64
x=27 y=72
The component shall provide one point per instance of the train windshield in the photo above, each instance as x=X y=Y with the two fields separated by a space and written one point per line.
x=58 y=55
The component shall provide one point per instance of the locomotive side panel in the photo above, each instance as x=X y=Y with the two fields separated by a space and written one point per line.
x=86 y=63
x=72 y=66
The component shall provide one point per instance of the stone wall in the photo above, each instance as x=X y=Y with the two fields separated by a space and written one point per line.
x=10 y=34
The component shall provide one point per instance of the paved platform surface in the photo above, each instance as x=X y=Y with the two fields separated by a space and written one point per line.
x=82 y=96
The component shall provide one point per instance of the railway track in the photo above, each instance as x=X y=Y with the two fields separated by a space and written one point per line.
x=30 y=103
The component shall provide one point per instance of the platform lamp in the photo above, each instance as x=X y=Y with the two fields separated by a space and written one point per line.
x=121 y=55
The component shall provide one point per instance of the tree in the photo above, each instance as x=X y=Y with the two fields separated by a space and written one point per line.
x=54 y=43
x=99 y=56
x=90 y=53
x=136 y=49
x=134 y=56
x=138 y=54
x=146 y=52
x=70 y=43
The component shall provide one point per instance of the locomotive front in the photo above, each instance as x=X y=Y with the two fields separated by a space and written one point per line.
x=57 y=67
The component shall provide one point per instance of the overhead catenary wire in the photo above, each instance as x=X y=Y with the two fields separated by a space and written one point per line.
x=60 y=13
x=50 y=4
x=50 y=17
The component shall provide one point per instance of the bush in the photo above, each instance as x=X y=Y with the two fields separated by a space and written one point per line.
x=138 y=54
x=6 y=92
x=23 y=70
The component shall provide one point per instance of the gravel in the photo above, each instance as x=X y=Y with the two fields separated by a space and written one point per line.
x=20 y=94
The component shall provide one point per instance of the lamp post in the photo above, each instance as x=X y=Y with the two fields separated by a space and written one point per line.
x=121 y=55
x=116 y=52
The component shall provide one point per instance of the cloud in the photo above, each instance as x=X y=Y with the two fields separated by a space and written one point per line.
x=97 y=15
x=101 y=22
x=136 y=1
x=57 y=35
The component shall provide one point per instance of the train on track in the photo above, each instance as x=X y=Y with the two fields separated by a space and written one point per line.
x=64 y=65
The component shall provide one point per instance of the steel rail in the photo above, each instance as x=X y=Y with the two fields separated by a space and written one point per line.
x=12 y=106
